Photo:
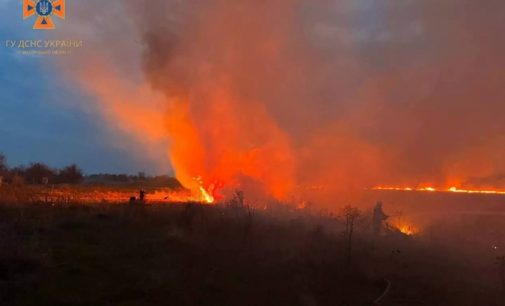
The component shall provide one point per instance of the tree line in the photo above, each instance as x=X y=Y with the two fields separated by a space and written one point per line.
x=40 y=173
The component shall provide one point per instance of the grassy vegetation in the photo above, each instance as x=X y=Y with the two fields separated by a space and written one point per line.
x=67 y=194
x=108 y=254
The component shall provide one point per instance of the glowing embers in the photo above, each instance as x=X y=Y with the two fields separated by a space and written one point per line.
x=408 y=230
x=432 y=189
x=115 y=194
x=483 y=191
x=403 y=225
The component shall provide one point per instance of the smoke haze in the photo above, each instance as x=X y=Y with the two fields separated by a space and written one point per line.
x=302 y=97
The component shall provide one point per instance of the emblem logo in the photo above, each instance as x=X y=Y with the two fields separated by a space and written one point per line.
x=44 y=9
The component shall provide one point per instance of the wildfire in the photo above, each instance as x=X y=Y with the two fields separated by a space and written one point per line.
x=433 y=189
x=207 y=197
x=407 y=229
x=209 y=194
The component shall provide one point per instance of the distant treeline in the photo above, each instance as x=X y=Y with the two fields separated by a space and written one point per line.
x=139 y=179
x=39 y=174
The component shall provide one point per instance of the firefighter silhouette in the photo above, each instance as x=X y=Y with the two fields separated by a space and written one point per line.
x=378 y=217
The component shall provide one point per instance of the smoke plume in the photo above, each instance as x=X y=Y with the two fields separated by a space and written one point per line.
x=299 y=97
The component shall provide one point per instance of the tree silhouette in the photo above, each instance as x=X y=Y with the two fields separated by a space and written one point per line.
x=3 y=165
x=70 y=175
x=36 y=173
x=351 y=215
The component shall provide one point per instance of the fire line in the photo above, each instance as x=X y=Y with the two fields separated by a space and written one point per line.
x=433 y=189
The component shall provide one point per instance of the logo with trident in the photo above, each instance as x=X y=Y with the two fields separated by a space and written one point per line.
x=44 y=9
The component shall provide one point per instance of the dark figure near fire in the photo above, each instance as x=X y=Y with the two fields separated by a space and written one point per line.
x=378 y=218
x=142 y=196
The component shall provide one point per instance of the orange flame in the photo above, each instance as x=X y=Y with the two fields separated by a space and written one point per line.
x=404 y=226
x=209 y=194
x=406 y=229
x=433 y=189
x=220 y=142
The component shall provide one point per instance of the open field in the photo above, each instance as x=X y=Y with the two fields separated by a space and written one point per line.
x=187 y=254
x=89 y=194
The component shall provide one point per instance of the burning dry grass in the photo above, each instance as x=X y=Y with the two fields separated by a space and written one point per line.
x=449 y=189
x=403 y=225
x=84 y=194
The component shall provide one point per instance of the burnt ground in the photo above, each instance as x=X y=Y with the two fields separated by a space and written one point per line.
x=204 y=255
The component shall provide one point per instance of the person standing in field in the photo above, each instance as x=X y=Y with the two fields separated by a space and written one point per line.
x=378 y=217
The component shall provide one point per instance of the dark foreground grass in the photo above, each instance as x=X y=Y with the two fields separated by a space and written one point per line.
x=203 y=255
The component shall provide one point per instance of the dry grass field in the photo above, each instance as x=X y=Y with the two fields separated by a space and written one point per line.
x=105 y=253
